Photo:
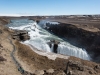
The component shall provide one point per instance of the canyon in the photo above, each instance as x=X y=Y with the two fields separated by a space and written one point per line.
x=36 y=62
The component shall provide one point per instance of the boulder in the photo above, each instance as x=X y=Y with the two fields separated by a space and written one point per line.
x=97 y=68
x=76 y=65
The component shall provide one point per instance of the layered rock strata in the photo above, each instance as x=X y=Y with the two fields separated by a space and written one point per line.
x=20 y=35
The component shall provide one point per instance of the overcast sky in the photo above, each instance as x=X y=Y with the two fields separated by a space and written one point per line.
x=49 y=7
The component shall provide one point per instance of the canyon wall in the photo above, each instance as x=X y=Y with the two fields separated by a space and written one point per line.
x=84 y=37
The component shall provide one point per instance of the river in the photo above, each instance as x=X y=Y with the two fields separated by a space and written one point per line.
x=39 y=38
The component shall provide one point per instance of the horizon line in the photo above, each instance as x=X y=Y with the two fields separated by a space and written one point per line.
x=19 y=15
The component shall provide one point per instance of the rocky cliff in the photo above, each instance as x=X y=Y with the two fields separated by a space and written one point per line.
x=20 y=35
x=83 y=36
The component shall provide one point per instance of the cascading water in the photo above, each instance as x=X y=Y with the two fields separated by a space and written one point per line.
x=40 y=37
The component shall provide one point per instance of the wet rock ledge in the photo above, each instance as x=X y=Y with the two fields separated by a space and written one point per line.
x=20 y=35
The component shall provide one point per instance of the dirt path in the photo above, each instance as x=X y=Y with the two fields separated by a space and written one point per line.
x=14 y=59
x=18 y=65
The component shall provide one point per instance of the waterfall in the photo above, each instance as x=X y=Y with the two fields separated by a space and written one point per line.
x=40 y=37
x=78 y=52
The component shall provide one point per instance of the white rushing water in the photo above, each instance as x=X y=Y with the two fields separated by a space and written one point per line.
x=40 y=37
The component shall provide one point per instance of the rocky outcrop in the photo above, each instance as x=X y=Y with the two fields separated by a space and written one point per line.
x=20 y=35
x=55 y=45
x=76 y=67
x=81 y=37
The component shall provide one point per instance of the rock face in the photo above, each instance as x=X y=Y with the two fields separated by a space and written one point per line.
x=55 y=45
x=84 y=38
x=20 y=35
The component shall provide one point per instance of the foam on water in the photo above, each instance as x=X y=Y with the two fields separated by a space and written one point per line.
x=39 y=38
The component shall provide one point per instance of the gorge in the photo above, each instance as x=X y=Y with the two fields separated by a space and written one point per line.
x=78 y=36
x=39 y=38
x=31 y=40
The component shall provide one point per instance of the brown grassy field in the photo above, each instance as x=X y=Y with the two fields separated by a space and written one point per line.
x=7 y=67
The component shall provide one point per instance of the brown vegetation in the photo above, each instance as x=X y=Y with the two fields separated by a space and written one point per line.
x=7 y=66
